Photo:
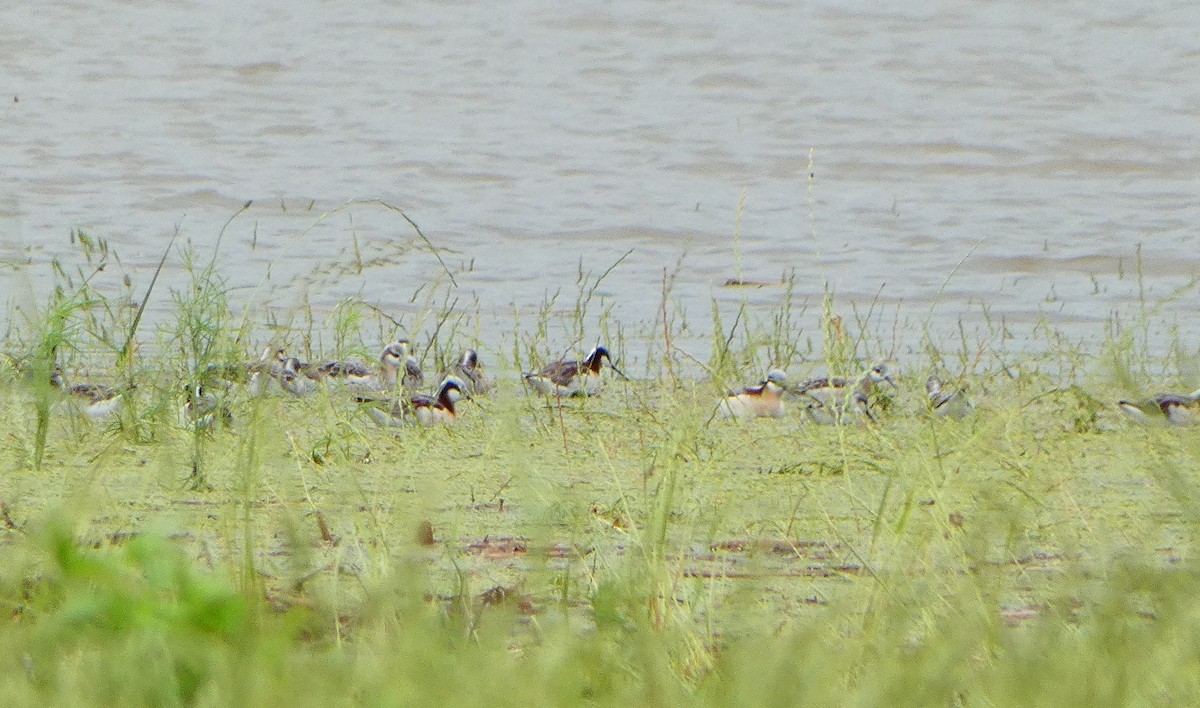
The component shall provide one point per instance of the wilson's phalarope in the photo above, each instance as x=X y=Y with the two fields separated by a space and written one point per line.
x=393 y=357
x=759 y=401
x=1176 y=408
x=93 y=400
x=202 y=410
x=269 y=366
x=828 y=400
x=423 y=409
x=470 y=371
x=413 y=378
x=349 y=372
x=572 y=378
x=947 y=403
x=297 y=377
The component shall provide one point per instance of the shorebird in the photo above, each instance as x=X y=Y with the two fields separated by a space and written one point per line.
x=828 y=400
x=393 y=357
x=202 y=410
x=947 y=403
x=297 y=377
x=572 y=378
x=472 y=374
x=269 y=366
x=422 y=409
x=282 y=360
x=93 y=400
x=351 y=373
x=762 y=400
x=1176 y=408
x=413 y=378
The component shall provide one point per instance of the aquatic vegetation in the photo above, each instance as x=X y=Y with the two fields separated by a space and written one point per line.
x=627 y=547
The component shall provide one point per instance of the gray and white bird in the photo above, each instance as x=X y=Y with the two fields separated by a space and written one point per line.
x=475 y=380
x=268 y=368
x=945 y=402
x=298 y=378
x=93 y=400
x=203 y=410
x=395 y=356
x=829 y=400
x=413 y=379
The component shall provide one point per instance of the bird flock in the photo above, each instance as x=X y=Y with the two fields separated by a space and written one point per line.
x=390 y=393
x=834 y=399
x=393 y=393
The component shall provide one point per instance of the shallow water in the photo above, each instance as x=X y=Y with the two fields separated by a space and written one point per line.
x=945 y=161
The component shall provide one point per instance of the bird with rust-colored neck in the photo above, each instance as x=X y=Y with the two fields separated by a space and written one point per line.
x=1175 y=408
x=573 y=378
x=762 y=400
x=421 y=409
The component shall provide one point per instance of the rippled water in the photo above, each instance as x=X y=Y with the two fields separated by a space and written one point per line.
x=942 y=158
